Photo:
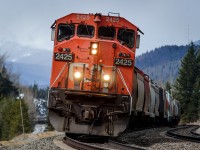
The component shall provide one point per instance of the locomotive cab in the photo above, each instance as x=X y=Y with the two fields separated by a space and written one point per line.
x=92 y=74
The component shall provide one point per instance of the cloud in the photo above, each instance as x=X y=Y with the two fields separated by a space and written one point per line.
x=163 y=22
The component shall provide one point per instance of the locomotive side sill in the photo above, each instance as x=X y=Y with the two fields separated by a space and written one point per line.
x=56 y=108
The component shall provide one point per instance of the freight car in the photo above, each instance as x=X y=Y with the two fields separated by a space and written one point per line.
x=95 y=88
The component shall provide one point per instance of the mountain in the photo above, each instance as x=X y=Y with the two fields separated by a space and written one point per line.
x=197 y=42
x=33 y=65
x=161 y=64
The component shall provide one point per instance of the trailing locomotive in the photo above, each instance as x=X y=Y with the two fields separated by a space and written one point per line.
x=95 y=88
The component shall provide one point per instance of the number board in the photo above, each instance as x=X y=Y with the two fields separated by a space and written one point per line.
x=64 y=56
x=123 y=62
x=112 y=19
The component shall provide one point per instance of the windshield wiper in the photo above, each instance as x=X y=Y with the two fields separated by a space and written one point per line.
x=87 y=29
x=123 y=31
x=66 y=37
x=69 y=26
x=110 y=29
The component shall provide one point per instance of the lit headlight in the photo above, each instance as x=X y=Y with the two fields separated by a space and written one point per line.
x=77 y=75
x=94 y=45
x=106 y=77
x=94 y=51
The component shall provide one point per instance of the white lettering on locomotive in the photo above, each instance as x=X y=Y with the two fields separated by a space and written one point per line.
x=112 y=19
x=82 y=17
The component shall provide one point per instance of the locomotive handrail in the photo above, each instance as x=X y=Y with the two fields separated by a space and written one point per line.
x=86 y=60
x=114 y=14
x=124 y=82
x=63 y=68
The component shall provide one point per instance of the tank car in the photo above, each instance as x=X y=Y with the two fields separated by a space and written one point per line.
x=94 y=87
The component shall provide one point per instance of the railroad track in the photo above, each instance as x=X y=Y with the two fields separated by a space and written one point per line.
x=103 y=144
x=193 y=131
x=186 y=132
x=124 y=146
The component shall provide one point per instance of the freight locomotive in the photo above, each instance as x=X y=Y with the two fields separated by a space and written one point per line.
x=95 y=87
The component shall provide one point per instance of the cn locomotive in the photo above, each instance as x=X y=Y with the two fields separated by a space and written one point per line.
x=95 y=87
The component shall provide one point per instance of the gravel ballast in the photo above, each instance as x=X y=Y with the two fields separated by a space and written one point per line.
x=151 y=139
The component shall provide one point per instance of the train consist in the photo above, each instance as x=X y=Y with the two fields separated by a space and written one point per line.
x=95 y=88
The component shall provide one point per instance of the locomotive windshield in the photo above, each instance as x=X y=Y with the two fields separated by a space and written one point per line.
x=65 y=31
x=126 y=36
x=85 y=30
x=106 y=32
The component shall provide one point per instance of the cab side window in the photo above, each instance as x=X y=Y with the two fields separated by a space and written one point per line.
x=65 y=31
x=126 y=37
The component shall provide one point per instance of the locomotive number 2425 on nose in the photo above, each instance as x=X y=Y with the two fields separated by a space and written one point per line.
x=123 y=62
x=63 y=56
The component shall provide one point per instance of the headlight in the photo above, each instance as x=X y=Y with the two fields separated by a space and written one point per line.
x=77 y=75
x=94 y=48
x=94 y=51
x=106 y=77
x=94 y=45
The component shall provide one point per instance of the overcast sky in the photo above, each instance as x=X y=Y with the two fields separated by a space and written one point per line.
x=164 y=22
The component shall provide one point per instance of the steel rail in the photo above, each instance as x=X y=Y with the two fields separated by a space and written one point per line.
x=192 y=138
x=124 y=146
x=80 y=145
x=87 y=146
x=193 y=131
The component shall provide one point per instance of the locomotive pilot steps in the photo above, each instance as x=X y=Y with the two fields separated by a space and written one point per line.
x=95 y=88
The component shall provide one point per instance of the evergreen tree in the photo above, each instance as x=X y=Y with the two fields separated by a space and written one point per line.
x=6 y=86
x=11 y=124
x=8 y=80
x=39 y=93
x=168 y=87
x=193 y=111
x=185 y=82
x=43 y=93
x=10 y=113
